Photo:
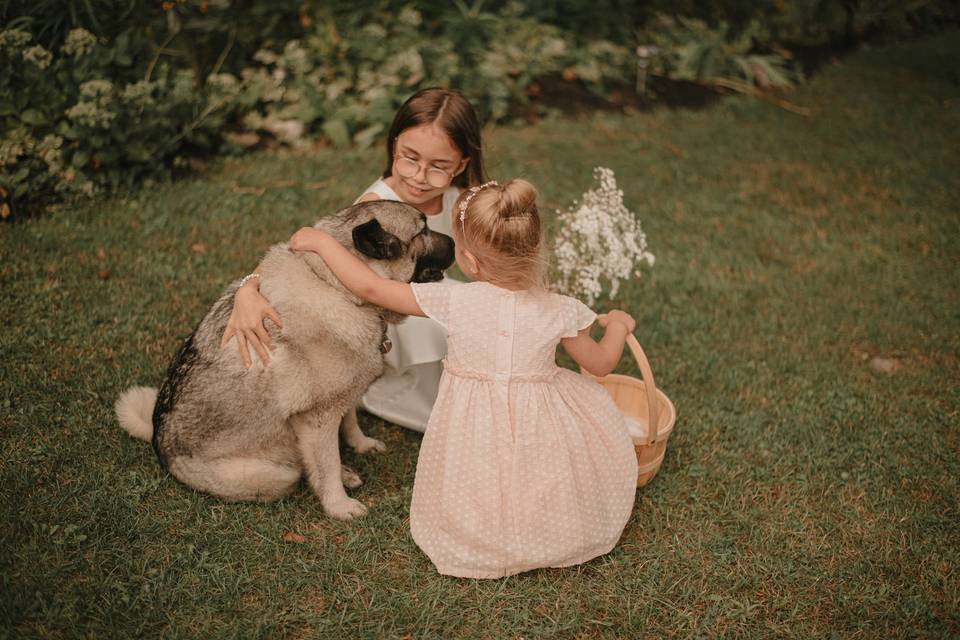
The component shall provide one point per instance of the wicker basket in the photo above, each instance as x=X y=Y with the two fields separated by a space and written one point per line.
x=642 y=402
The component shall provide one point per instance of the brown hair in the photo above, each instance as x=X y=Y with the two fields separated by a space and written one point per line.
x=454 y=114
x=501 y=227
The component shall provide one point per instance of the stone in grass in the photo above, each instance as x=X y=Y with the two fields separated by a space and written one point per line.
x=885 y=365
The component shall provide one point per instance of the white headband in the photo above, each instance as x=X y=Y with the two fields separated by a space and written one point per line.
x=470 y=193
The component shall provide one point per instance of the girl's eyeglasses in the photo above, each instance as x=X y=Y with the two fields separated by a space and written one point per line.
x=409 y=168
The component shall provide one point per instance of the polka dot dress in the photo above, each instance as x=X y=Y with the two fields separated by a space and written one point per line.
x=524 y=464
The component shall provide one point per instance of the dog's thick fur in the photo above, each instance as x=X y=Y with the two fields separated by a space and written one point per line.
x=251 y=434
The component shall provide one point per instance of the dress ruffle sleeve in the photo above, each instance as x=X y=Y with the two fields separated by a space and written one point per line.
x=576 y=317
x=434 y=300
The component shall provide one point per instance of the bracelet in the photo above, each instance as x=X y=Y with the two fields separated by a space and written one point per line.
x=248 y=277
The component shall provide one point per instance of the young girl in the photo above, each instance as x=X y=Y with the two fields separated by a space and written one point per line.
x=433 y=151
x=524 y=464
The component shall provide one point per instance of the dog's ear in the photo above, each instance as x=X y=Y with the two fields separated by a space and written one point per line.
x=370 y=239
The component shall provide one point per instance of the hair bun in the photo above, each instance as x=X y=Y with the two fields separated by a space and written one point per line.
x=517 y=197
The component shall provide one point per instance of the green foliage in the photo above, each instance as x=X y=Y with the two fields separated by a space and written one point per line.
x=689 y=49
x=49 y=21
x=78 y=120
x=346 y=77
x=161 y=80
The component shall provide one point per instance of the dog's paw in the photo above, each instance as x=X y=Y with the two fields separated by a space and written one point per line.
x=350 y=478
x=367 y=444
x=345 y=509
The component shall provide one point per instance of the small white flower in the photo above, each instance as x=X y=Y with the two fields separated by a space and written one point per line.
x=599 y=240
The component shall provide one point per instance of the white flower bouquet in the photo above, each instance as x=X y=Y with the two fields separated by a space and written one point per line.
x=599 y=242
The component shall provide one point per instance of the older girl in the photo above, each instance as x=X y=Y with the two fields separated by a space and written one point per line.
x=433 y=152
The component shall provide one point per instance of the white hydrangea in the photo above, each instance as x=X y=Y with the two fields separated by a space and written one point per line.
x=48 y=150
x=265 y=56
x=296 y=58
x=374 y=30
x=37 y=56
x=90 y=114
x=13 y=39
x=599 y=241
x=409 y=16
x=93 y=109
x=139 y=93
x=15 y=144
x=223 y=84
x=94 y=89
x=553 y=48
x=184 y=87
x=79 y=42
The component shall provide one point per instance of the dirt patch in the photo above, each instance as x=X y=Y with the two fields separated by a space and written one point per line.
x=573 y=97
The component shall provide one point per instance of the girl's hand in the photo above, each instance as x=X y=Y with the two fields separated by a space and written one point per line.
x=306 y=239
x=250 y=309
x=620 y=317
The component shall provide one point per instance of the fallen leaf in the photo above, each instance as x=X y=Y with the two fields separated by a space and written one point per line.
x=291 y=536
x=885 y=365
x=104 y=275
x=198 y=247
x=245 y=139
x=288 y=131
x=258 y=191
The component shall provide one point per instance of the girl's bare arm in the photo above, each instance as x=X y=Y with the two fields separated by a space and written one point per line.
x=355 y=275
x=601 y=358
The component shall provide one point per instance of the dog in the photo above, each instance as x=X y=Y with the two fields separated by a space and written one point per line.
x=251 y=434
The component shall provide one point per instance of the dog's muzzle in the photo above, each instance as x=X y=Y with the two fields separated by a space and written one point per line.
x=438 y=258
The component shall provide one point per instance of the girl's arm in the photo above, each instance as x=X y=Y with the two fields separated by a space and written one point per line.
x=250 y=309
x=601 y=358
x=355 y=275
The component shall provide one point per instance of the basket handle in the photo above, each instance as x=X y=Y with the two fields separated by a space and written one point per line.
x=653 y=404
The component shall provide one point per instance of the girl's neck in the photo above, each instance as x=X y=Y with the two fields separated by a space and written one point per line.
x=431 y=207
x=503 y=285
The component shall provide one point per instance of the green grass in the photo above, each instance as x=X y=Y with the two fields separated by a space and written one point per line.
x=804 y=494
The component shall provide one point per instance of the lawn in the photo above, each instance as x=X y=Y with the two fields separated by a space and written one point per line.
x=803 y=314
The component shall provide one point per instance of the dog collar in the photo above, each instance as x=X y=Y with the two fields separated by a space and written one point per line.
x=385 y=343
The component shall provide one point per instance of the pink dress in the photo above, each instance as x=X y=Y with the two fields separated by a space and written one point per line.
x=524 y=464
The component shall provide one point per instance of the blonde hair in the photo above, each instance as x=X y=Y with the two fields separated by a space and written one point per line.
x=501 y=227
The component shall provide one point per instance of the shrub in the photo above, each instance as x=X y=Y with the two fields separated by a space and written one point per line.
x=346 y=77
x=78 y=120
x=99 y=94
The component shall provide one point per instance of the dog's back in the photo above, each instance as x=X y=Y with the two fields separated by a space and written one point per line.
x=239 y=433
x=325 y=355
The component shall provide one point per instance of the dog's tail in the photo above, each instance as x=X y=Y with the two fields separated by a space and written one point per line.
x=134 y=410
